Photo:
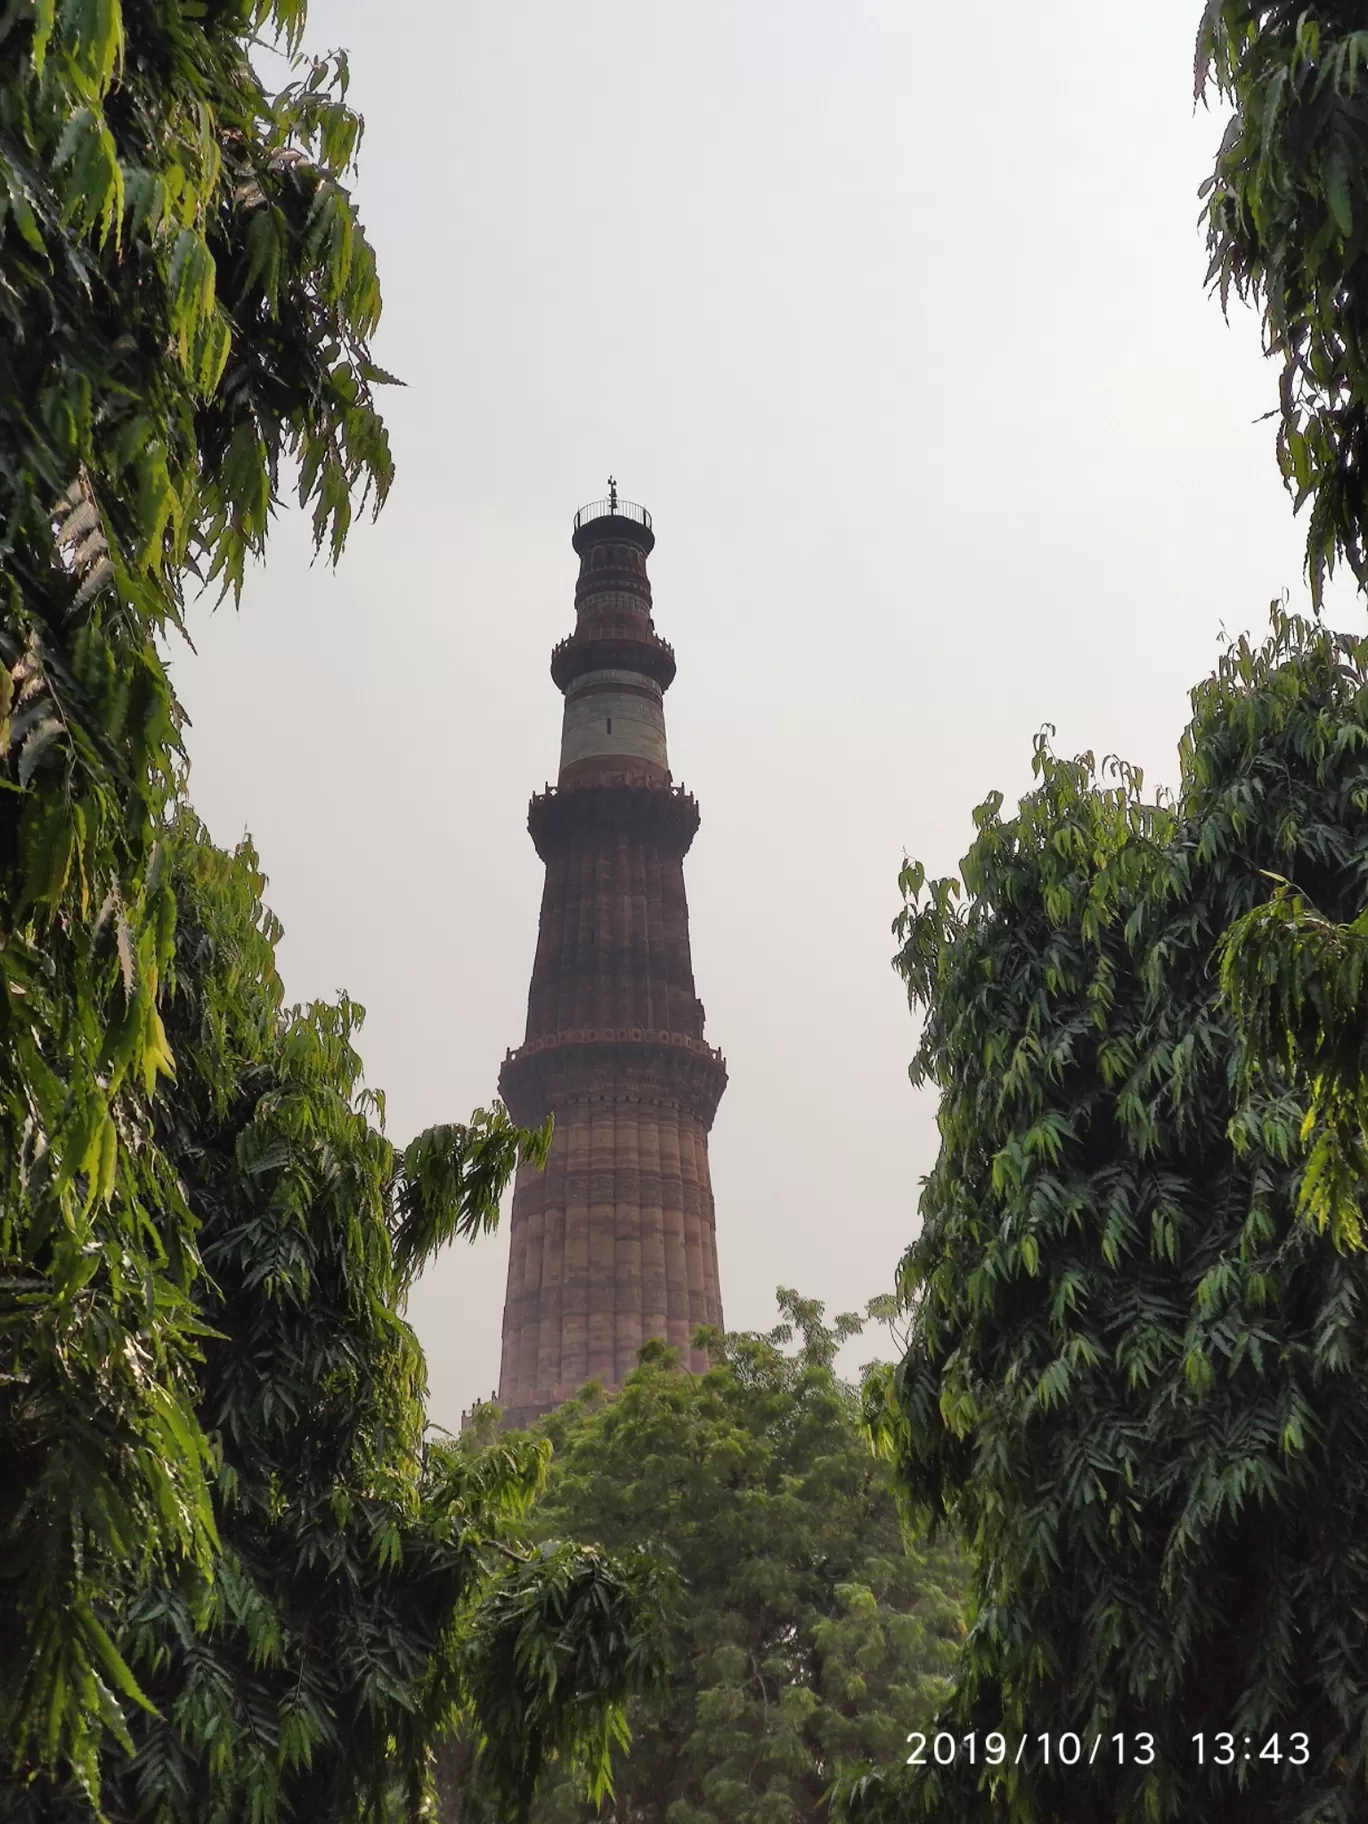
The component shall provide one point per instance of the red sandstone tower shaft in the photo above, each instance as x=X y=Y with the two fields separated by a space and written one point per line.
x=615 y=1242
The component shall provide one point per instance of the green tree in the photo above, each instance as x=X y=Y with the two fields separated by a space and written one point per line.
x=233 y=1581
x=805 y=1635
x=1137 y=1382
x=1287 y=221
x=185 y=301
x=369 y=1590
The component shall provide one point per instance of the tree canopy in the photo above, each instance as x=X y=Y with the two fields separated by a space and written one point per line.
x=1137 y=1379
x=804 y=1636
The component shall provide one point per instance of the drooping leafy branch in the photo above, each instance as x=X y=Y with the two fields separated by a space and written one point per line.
x=1296 y=984
x=1287 y=229
x=450 y=1179
x=555 y=1649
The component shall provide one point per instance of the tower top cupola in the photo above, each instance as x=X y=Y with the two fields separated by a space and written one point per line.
x=613 y=539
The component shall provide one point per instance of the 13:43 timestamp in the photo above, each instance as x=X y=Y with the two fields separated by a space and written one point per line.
x=1225 y=1748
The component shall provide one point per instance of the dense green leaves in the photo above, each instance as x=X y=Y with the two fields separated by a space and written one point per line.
x=1137 y=1380
x=1287 y=220
x=804 y=1637
x=235 y=1583
x=368 y=1590
x=555 y=1648
x=1296 y=985
x=161 y=355
x=336 y=1644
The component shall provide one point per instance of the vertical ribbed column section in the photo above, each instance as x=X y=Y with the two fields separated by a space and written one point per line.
x=615 y=1243
x=654 y=1301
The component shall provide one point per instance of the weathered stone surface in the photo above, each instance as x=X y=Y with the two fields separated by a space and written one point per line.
x=616 y=1242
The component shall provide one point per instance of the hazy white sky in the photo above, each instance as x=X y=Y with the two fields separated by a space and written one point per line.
x=893 y=315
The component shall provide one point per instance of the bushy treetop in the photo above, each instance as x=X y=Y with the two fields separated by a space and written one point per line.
x=805 y=1637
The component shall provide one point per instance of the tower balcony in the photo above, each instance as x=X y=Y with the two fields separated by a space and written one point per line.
x=619 y=649
x=619 y=799
x=605 y=1063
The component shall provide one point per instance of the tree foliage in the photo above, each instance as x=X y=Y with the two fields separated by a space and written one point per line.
x=804 y=1636
x=1296 y=986
x=185 y=301
x=1287 y=226
x=368 y=1590
x=308 y=1679
x=557 y=1645
x=235 y=1583
x=1137 y=1380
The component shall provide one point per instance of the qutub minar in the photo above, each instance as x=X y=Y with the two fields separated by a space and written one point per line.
x=614 y=1243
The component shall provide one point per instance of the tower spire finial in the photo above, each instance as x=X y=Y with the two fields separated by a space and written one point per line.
x=612 y=494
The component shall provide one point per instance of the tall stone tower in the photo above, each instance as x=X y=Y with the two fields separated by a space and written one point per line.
x=614 y=1243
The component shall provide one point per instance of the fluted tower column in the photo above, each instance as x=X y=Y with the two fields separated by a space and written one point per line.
x=615 y=1242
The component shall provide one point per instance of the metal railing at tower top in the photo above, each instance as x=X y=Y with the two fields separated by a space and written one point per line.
x=613 y=508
